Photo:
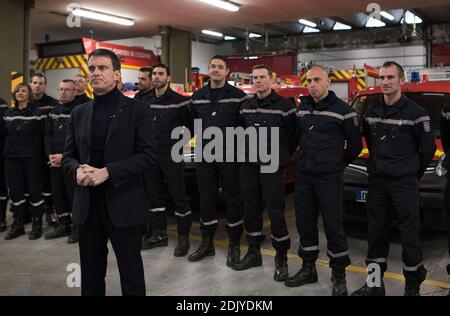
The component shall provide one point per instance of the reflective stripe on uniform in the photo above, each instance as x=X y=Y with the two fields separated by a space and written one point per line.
x=183 y=214
x=231 y=100
x=46 y=194
x=210 y=223
x=18 y=203
x=312 y=248
x=282 y=113
x=235 y=224
x=256 y=234
x=397 y=122
x=327 y=113
x=57 y=116
x=158 y=209
x=170 y=106
x=412 y=269
x=24 y=118
x=446 y=114
x=337 y=255
x=377 y=260
x=62 y=215
x=280 y=239
x=3 y=198
x=37 y=204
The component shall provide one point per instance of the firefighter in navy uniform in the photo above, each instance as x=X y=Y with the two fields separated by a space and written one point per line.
x=445 y=138
x=146 y=95
x=329 y=139
x=217 y=105
x=81 y=86
x=169 y=111
x=146 y=92
x=265 y=188
x=54 y=139
x=45 y=103
x=401 y=146
x=3 y=189
x=24 y=125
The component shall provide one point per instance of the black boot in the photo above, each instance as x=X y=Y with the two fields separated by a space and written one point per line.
x=155 y=241
x=16 y=230
x=339 y=283
x=371 y=291
x=59 y=231
x=306 y=275
x=206 y=249
x=50 y=218
x=281 y=267
x=251 y=259
x=234 y=254
x=36 y=228
x=412 y=286
x=3 y=225
x=182 y=247
x=74 y=235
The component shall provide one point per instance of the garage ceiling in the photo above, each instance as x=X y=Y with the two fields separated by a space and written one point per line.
x=275 y=17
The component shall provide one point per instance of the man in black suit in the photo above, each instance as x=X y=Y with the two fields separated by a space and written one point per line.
x=108 y=148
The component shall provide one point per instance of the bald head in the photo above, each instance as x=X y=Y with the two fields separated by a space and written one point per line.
x=318 y=83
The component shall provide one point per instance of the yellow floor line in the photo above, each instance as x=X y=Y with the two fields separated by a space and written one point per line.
x=321 y=263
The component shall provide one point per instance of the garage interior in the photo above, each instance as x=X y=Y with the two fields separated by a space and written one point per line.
x=342 y=35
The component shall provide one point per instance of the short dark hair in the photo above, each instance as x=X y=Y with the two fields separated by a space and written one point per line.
x=107 y=53
x=222 y=58
x=147 y=69
x=68 y=81
x=269 y=70
x=17 y=88
x=163 y=66
x=401 y=71
x=40 y=75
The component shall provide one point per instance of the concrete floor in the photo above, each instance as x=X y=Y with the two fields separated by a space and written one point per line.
x=39 y=267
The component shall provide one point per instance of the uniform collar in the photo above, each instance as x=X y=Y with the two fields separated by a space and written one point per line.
x=329 y=100
x=271 y=98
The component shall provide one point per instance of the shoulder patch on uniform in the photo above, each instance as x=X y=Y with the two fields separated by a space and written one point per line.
x=355 y=121
x=427 y=126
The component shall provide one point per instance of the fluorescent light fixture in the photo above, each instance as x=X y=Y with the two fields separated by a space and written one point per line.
x=212 y=33
x=254 y=35
x=371 y=22
x=307 y=23
x=223 y=4
x=229 y=38
x=411 y=18
x=308 y=29
x=99 y=16
x=387 y=15
x=338 y=26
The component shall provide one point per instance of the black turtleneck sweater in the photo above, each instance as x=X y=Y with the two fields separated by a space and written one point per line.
x=104 y=107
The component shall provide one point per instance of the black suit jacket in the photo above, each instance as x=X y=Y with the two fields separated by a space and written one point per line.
x=129 y=152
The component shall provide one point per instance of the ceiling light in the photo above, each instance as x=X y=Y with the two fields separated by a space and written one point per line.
x=387 y=15
x=338 y=26
x=223 y=4
x=229 y=38
x=307 y=23
x=371 y=22
x=254 y=35
x=411 y=18
x=212 y=33
x=99 y=16
x=308 y=29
